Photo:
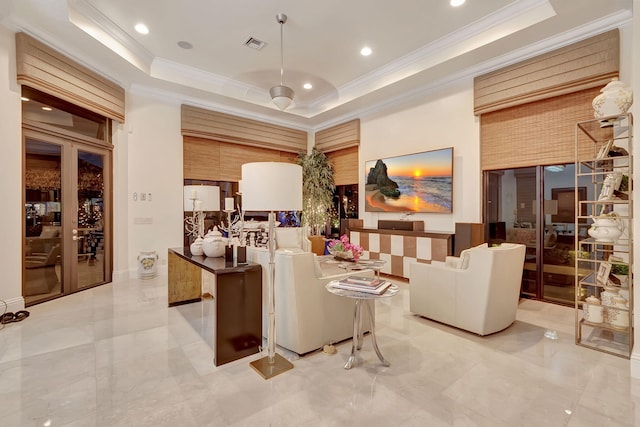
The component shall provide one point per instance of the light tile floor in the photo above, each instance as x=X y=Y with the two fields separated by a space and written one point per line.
x=117 y=356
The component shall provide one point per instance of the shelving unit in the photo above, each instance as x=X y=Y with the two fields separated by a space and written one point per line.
x=609 y=193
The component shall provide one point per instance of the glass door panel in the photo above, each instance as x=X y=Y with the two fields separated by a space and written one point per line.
x=43 y=244
x=89 y=232
x=558 y=266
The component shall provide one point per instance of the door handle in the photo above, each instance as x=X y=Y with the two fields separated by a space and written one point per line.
x=77 y=237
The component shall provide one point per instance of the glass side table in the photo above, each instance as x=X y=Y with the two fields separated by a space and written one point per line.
x=364 y=264
x=366 y=299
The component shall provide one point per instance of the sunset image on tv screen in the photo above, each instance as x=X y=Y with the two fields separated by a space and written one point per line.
x=420 y=182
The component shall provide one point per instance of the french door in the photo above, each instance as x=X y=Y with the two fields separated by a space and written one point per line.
x=67 y=214
x=534 y=206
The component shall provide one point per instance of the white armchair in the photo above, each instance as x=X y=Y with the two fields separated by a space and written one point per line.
x=307 y=315
x=478 y=292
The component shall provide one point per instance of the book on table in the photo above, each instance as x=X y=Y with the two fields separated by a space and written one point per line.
x=379 y=288
x=361 y=280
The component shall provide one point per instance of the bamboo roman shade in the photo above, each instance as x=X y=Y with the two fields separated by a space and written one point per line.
x=537 y=133
x=207 y=124
x=340 y=143
x=341 y=136
x=582 y=65
x=49 y=71
x=345 y=165
x=209 y=160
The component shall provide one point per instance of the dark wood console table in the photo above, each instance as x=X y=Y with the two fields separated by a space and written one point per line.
x=237 y=295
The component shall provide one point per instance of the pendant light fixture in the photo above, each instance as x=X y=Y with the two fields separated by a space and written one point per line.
x=281 y=95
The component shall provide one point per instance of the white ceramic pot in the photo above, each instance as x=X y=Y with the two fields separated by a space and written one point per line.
x=147 y=264
x=213 y=244
x=619 y=318
x=614 y=100
x=196 y=247
x=592 y=310
x=606 y=229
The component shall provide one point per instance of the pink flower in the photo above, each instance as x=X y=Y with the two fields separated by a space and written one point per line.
x=343 y=245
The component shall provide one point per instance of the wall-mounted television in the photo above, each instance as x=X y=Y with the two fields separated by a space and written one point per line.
x=419 y=182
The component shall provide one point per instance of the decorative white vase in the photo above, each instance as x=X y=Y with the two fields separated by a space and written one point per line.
x=607 y=229
x=614 y=100
x=147 y=264
x=592 y=310
x=213 y=244
x=196 y=247
x=619 y=318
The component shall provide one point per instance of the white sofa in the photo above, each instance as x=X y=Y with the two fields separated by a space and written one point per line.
x=477 y=292
x=307 y=315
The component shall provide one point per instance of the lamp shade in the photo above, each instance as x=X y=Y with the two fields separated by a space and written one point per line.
x=271 y=186
x=209 y=195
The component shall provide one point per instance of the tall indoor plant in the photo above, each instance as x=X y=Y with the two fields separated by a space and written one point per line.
x=317 y=193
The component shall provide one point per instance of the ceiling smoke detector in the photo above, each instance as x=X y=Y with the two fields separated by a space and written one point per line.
x=254 y=43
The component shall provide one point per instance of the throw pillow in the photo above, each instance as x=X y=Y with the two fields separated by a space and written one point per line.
x=288 y=237
x=465 y=255
x=49 y=232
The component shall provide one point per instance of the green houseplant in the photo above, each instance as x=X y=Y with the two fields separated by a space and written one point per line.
x=317 y=190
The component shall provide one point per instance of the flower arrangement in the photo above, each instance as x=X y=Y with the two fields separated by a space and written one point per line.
x=341 y=248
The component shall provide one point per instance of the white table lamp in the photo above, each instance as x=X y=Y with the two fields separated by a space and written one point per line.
x=271 y=186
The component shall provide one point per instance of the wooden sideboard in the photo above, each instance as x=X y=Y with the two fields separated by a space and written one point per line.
x=237 y=295
x=399 y=248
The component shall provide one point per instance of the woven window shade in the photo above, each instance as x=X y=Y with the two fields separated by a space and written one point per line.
x=205 y=159
x=345 y=165
x=537 y=133
x=341 y=136
x=207 y=124
x=582 y=65
x=45 y=69
x=340 y=144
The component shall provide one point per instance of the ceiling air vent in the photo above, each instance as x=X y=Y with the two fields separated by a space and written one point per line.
x=254 y=43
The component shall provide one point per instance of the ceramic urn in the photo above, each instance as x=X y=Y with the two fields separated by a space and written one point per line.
x=213 y=244
x=614 y=100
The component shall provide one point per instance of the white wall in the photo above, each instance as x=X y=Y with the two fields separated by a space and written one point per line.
x=632 y=54
x=10 y=172
x=444 y=119
x=154 y=159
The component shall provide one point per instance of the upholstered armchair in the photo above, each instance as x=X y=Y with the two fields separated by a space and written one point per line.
x=307 y=315
x=477 y=292
x=41 y=276
x=292 y=238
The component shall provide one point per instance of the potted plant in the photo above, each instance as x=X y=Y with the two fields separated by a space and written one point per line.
x=317 y=195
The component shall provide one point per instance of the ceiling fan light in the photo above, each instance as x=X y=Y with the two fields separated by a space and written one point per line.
x=282 y=96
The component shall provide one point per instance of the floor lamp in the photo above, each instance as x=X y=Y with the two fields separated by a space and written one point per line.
x=271 y=186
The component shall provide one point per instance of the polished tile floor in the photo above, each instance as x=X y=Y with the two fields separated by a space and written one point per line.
x=117 y=356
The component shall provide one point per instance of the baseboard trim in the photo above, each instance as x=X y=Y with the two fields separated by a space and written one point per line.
x=13 y=305
x=635 y=365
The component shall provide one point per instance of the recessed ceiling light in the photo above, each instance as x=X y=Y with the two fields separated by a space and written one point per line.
x=141 y=28
x=24 y=98
x=45 y=108
x=456 y=3
x=185 y=45
x=365 y=51
x=307 y=86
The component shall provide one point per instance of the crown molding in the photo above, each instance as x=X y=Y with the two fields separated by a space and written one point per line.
x=178 y=99
x=502 y=23
x=576 y=34
x=90 y=20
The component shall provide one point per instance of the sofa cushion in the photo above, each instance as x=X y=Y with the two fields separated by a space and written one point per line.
x=465 y=255
x=49 y=232
x=288 y=237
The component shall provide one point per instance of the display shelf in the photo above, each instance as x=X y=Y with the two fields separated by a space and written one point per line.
x=604 y=163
